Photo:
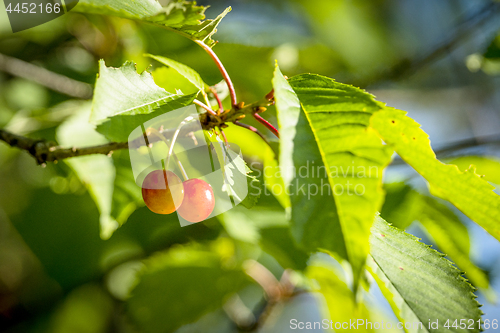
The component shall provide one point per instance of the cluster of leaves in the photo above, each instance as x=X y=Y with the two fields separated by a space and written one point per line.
x=337 y=126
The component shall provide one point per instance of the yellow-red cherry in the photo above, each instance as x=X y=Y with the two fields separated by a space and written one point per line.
x=199 y=200
x=162 y=191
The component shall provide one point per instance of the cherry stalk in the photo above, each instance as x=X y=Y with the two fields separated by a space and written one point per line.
x=222 y=69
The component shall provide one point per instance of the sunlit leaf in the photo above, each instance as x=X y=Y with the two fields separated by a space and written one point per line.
x=264 y=162
x=190 y=74
x=124 y=99
x=328 y=134
x=442 y=225
x=170 y=80
x=122 y=91
x=419 y=283
x=452 y=238
x=239 y=183
x=488 y=167
x=182 y=17
x=466 y=190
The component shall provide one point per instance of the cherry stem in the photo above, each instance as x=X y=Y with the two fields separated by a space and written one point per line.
x=204 y=106
x=223 y=71
x=174 y=138
x=267 y=124
x=219 y=102
x=253 y=129
x=224 y=136
x=154 y=131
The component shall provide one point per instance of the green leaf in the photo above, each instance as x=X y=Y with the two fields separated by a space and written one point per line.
x=340 y=300
x=129 y=9
x=485 y=166
x=278 y=242
x=401 y=205
x=109 y=180
x=190 y=74
x=170 y=80
x=96 y=172
x=124 y=99
x=452 y=238
x=466 y=190
x=182 y=17
x=419 y=283
x=254 y=190
x=122 y=91
x=238 y=181
x=127 y=196
x=87 y=309
x=442 y=225
x=118 y=128
x=257 y=149
x=179 y=286
x=312 y=226
x=330 y=129
x=493 y=50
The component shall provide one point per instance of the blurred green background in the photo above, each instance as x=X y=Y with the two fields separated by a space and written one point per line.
x=438 y=60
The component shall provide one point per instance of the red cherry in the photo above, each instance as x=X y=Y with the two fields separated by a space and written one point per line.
x=162 y=191
x=199 y=200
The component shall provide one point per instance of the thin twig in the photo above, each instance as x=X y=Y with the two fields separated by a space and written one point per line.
x=267 y=124
x=40 y=75
x=154 y=131
x=219 y=102
x=44 y=151
x=463 y=29
x=204 y=106
x=223 y=135
x=264 y=278
x=223 y=71
x=253 y=129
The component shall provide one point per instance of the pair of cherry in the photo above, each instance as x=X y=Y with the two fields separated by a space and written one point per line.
x=164 y=193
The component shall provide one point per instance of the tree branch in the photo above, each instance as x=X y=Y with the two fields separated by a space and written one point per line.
x=463 y=29
x=205 y=107
x=44 y=151
x=40 y=75
x=217 y=98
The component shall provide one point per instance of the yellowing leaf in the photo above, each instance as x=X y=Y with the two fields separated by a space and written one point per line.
x=466 y=190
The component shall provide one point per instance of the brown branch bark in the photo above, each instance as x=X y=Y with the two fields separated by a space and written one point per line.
x=44 y=151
